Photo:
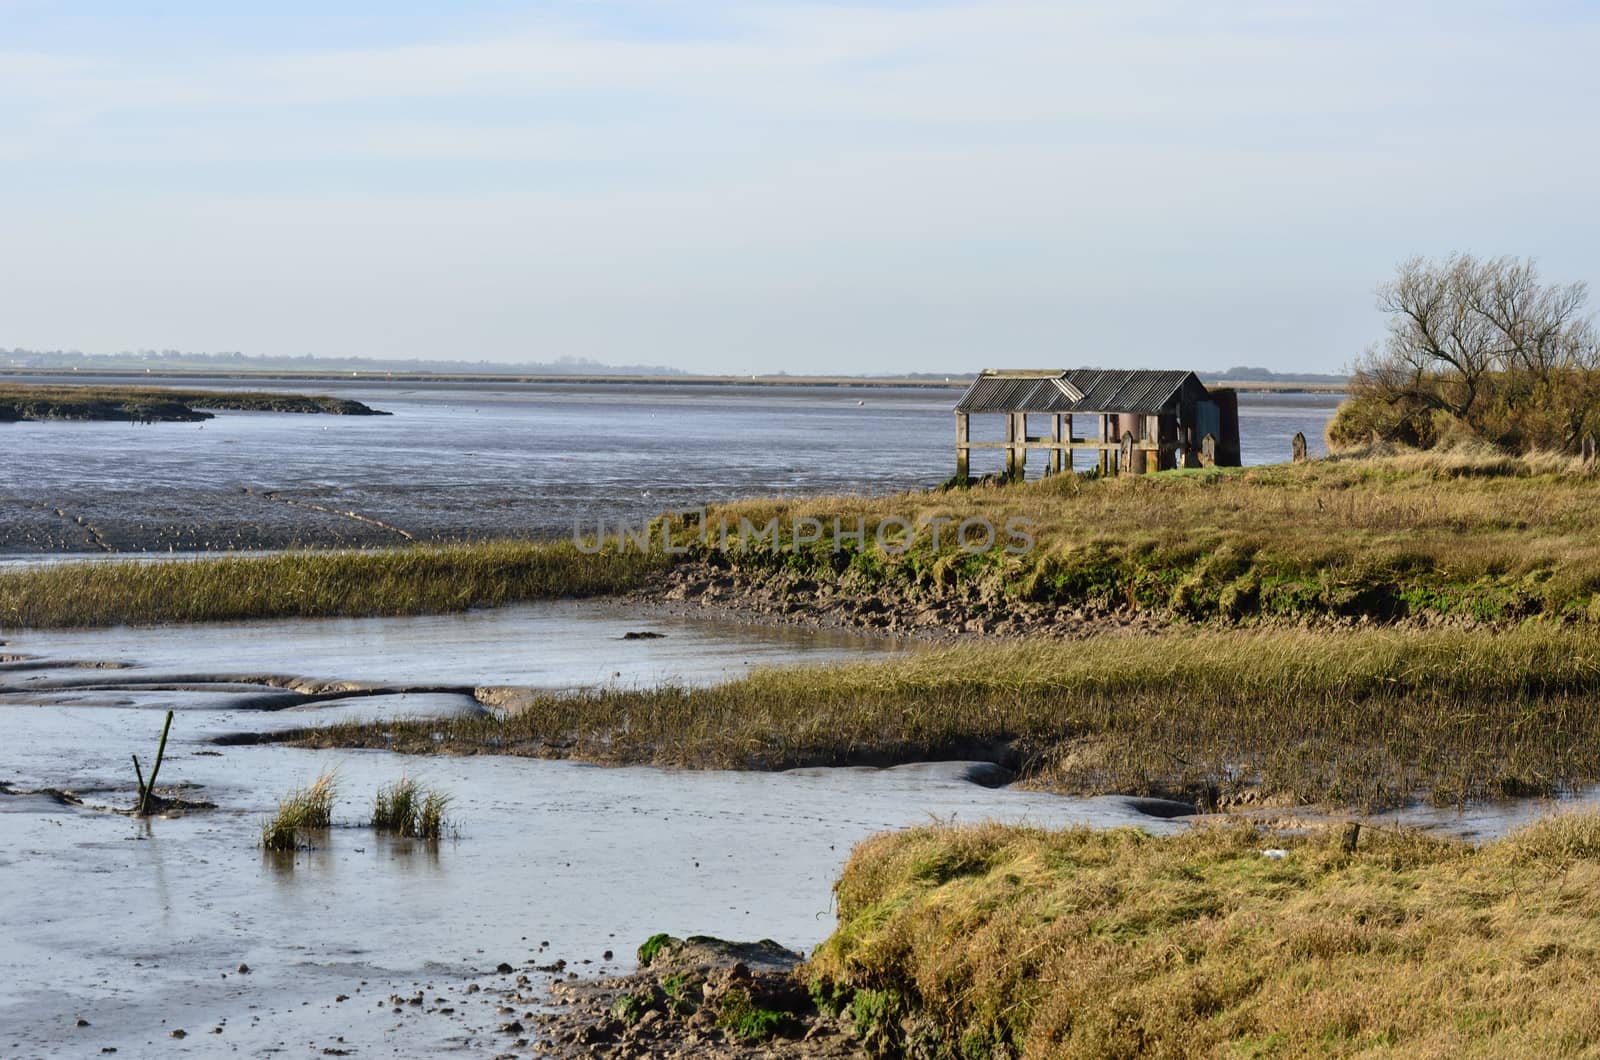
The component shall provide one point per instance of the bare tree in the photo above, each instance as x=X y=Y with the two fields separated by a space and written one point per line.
x=1483 y=345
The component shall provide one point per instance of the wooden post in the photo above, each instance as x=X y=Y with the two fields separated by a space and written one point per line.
x=962 y=451
x=1352 y=833
x=1588 y=450
x=1068 y=460
x=1105 y=454
x=1208 y=451
x=1298 y=447
x=1016 y=446
x=1125 y=454
x=144 y=796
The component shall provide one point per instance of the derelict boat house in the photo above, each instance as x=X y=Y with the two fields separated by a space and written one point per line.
x=1145 y=420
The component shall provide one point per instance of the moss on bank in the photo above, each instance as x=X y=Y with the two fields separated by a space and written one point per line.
x=996 y=941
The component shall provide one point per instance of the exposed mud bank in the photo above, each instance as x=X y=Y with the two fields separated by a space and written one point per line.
x=786 y=599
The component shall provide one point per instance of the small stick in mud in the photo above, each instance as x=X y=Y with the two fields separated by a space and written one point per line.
x=146 y=789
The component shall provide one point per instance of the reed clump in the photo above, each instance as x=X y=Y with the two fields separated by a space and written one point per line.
x=993 y=940
x=424 y=579
x=1366 y=718
x=408 y=809
x=302 y=810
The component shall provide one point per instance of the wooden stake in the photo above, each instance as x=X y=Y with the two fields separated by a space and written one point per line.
x=155 y=769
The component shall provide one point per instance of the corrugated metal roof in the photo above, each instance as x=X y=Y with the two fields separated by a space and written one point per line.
x=1078 y=390
x=1126 y=391
x=1019 y=392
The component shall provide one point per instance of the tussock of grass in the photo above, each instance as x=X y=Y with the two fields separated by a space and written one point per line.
x=1001 y=941
x=407 y=581
x=1364 y=718
x=301 y=810
x=408 y=809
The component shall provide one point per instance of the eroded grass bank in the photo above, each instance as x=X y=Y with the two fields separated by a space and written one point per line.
x=425 y=579
x=1363 y=718
x=1465 y=535
x=996 y=941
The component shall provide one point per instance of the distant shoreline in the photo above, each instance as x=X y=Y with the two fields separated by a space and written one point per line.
x=59 y=376
x=150 y=404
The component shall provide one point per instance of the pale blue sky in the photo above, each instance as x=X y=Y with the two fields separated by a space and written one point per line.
x=836 y=187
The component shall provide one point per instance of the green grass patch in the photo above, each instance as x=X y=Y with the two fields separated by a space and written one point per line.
x=408 y=809
x=302 y=810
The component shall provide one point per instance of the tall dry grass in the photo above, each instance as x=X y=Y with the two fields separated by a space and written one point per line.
x=994 y=941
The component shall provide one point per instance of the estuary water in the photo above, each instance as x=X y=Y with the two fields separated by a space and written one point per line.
x=476 y=460
x=138 y=928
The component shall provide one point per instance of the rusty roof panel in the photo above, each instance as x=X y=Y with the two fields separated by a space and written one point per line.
x=1078 y=390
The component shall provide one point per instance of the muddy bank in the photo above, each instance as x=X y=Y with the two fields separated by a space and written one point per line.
x=960 y=613
x=784 y=598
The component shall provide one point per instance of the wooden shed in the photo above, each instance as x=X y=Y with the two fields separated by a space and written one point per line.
x=1144 y=420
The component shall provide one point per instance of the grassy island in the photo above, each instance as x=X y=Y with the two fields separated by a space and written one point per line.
x=22 y=401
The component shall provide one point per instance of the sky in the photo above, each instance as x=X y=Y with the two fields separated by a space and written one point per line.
x=841 y=187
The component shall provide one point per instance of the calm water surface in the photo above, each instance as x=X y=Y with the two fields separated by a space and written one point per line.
x=138 y=927
x=477 y=460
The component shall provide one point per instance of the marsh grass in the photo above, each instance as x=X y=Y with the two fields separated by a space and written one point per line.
x=408 y=809
x=1465 y=533
x=1366 y=718
x=425 y=579
x=304 y=809
x=1011 y=941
